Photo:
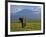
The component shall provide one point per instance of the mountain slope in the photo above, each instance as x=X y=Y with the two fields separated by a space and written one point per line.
x=27 y=13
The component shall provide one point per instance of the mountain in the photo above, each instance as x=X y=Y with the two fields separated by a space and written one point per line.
x=26 y=12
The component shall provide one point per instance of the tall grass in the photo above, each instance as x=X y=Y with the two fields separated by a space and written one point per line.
x=30 y=26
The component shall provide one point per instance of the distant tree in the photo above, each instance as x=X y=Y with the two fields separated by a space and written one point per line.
x=21 y=20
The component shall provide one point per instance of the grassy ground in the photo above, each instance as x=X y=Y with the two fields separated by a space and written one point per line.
x=30 y=26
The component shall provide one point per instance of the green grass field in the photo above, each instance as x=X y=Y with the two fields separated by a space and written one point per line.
x=30 y=26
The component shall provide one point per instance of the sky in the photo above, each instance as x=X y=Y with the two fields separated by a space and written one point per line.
x=18 y=8
x=23 y=10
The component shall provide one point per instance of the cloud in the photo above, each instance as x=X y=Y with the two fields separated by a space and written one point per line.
x=17 y=8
